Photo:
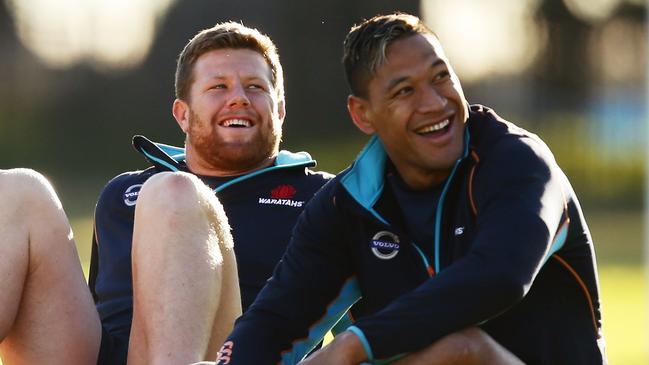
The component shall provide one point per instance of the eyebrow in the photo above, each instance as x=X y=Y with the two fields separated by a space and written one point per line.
x=398 y=80
x=244 y=77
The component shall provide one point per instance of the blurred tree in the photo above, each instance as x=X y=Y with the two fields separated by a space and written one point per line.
x=563 y=76
x=76 y=123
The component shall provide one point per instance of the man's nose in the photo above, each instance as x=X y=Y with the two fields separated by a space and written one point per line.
x=432 y=100
x=238 y=96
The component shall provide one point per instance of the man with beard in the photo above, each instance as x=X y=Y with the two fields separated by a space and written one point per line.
x=164 y=273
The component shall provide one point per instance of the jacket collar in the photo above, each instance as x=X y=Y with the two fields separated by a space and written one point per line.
x=365 y=179
x=170 y=158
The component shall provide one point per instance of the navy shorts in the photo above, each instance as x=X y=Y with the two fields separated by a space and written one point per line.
x=114 y=348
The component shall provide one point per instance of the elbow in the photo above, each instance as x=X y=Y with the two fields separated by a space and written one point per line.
x=509 y=287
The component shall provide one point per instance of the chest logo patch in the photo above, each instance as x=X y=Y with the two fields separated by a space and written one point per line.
x=385 y=245
x=131 y=193
x=282 y=195
x=283 y=192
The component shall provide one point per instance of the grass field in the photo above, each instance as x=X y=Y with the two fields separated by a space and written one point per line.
x=624 y=305
x=618 y=238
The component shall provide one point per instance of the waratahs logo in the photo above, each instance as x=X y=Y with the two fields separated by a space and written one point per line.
x=282 y=195
x=385 y=245
x=283 y=192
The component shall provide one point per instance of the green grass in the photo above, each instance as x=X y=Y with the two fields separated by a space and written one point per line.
x=624 y=306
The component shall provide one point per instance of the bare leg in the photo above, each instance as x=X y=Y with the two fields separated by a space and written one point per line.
x=185 y=283
x=47 y=315
x=471 y=346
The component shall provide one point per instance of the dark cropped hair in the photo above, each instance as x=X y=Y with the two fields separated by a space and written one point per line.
x=365 y=45
x=227 y=35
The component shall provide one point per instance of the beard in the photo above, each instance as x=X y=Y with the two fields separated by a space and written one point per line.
x=226 y=154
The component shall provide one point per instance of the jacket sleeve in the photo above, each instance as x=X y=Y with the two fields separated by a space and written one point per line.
x=309 y=291
x=521 y=207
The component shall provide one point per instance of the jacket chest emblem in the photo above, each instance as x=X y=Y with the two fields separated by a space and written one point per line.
x=282 y=195
x=385 y=245
x=131 y=193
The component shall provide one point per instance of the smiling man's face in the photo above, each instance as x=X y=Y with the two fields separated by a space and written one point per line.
x=416 y=106
x=233 y=118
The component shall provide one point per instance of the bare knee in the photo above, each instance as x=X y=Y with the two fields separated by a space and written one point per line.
x=169 y=191
x=465 y=344
x=462 y=347
x=25 y=188
x=474 y=346
x=182 y=201
x=177 y=192
x=30 y=204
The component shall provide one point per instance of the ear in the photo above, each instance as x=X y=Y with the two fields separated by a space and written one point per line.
x=180 y=110
x=281 y=110
x=359 y=111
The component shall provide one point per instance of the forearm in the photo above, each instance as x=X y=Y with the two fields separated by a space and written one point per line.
x=459 y=297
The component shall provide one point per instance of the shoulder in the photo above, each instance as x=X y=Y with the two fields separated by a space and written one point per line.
x=304 y=179
x=505 y=145
x=318 y=178
x=330 y=195
x=319 y=175
x=510 y=161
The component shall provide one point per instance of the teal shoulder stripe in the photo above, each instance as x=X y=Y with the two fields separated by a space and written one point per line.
x=349 y=294
x=559 y=241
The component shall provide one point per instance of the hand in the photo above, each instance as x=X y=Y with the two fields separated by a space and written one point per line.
x=345 y=349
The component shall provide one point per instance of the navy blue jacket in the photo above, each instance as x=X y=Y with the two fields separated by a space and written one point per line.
x=511 y=253
x=262 y=208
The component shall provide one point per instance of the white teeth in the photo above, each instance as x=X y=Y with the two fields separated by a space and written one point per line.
x=435 y=127
x=236 y=123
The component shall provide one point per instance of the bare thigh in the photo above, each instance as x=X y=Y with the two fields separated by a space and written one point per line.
x=51 y=317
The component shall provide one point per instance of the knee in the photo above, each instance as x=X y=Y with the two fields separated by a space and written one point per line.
x=470 y=344
x=169 y=188
x=26 y=190
x=463 y=347
x=184 y=199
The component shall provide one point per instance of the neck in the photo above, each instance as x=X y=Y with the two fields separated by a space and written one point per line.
x=199 y=166
x=422 y=180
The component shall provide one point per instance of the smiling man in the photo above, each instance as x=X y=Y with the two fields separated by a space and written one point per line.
x=452 y=224
x=166 y=281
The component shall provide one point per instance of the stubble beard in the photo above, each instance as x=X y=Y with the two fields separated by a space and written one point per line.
x=231 y=156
